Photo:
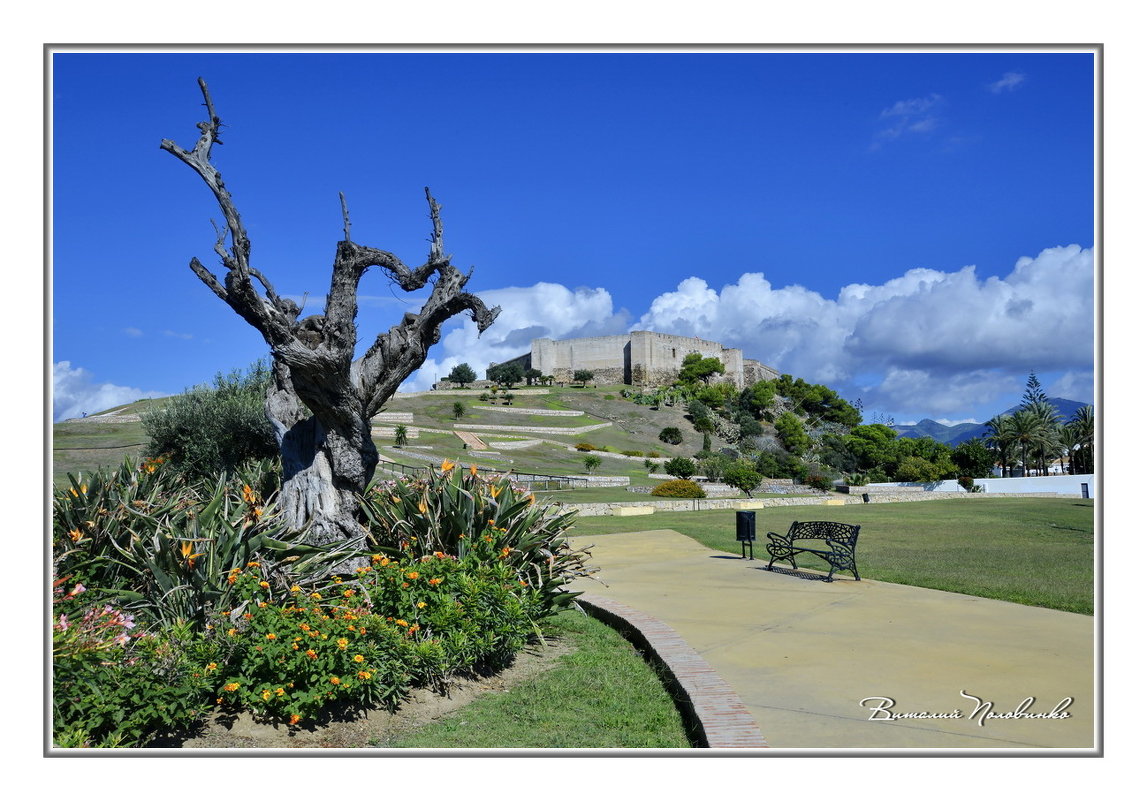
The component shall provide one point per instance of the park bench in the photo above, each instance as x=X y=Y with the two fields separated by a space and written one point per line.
x=837 y=543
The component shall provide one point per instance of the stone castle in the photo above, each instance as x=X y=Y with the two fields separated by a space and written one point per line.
x=639 y=358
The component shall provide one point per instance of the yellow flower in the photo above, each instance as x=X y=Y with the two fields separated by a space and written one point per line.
x=421 y=604
x=248 y=494
x=342 y=643
x=279 y=691
x=447 y=465
x=473 y=469
x=264 y=585
x=212 y=666
x=336 y=680
x=271 y=636
x=316 y=595
x=232 y=687
x=401 y=622
x=266 y=695
x=296 y=588
x=232 y=632
x=364 y=675
x=422 y=507
x=359 y=657
x=494 y=491
x=348 y=594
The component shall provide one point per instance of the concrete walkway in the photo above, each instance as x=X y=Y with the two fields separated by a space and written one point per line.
x=803 y=653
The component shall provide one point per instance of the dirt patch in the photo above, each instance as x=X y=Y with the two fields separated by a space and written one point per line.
x=377 y=728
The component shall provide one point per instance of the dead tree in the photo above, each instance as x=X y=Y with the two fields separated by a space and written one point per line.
x=322 y=399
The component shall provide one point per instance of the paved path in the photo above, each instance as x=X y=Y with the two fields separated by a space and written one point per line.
x=803 y=653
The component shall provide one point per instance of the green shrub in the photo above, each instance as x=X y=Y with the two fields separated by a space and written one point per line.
x=671 y=435
x=585 y=447
x=452 y=510
x=819 y=481
x=633 y=453
x=114 y=685
x=653 y=454
x=742 y=476
x=680 y=467
x=208 y=430
x=678 y=488
x=592 y=463
x=147 y=538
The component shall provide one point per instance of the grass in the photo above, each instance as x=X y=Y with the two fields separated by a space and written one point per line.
x=601 y=695
x=1034 y=551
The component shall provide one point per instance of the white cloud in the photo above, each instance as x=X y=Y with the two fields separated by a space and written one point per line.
x=915 y=116
x=1007 y=83
x=941 y=342
x=542 y=310
x=133 y=332
x=1074 y=385
x=74 y=392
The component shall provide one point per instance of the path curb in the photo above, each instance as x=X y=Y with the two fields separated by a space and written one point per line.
x=717 y=713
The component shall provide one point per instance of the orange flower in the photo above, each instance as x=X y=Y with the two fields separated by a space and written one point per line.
x=75 y=534
x=248 y=494
x=271 y=636
x=348 y=594
x=342 y=643
x=336 y=680
x=401 y=622
x=312 y=654
x=473 y=469
x=295 y=719
x=364 y=675
x=413 y=574
x=447 y=465
x=435 y=582
x=232 y=687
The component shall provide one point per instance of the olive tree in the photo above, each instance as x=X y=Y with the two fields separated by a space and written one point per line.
x=321 y=399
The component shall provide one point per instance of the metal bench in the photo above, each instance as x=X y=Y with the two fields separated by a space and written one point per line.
x=838 y=541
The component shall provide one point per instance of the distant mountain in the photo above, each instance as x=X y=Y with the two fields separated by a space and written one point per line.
x=954 y=435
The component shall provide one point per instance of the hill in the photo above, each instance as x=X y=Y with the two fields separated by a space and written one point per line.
x=954 y=435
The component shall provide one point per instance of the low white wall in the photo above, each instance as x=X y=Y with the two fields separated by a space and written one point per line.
x=1060 y=485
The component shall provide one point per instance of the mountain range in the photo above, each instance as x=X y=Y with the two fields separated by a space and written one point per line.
x=954 y=435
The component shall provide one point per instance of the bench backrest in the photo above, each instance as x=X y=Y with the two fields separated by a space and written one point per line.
x=824 y=530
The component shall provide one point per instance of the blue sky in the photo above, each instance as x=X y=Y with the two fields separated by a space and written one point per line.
x=914 y=230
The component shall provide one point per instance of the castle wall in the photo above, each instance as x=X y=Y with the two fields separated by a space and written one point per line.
x=639 y=358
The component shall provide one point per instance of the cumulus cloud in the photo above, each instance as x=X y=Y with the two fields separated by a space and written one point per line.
x=938 y=342
x=541 y=310
x=75 y=391
x=1007 y=83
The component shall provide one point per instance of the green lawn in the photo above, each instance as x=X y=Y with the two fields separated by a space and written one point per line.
x=601 y=695
x=1035 y=551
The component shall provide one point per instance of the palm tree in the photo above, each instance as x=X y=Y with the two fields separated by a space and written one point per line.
x=1030 y=431
x=999 y=439
x=1082 y=434
x=1049 y=421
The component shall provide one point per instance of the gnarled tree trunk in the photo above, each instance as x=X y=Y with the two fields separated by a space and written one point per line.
x=322 y=399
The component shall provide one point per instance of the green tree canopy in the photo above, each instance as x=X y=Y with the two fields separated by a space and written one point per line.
x=505 y=375
x=696 y=368
x=213 y=429
x=462 y=375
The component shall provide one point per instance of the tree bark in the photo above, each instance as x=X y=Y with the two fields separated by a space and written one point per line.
x=322 y=399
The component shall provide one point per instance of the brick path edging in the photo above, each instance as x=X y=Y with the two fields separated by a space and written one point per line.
x=718 y=714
